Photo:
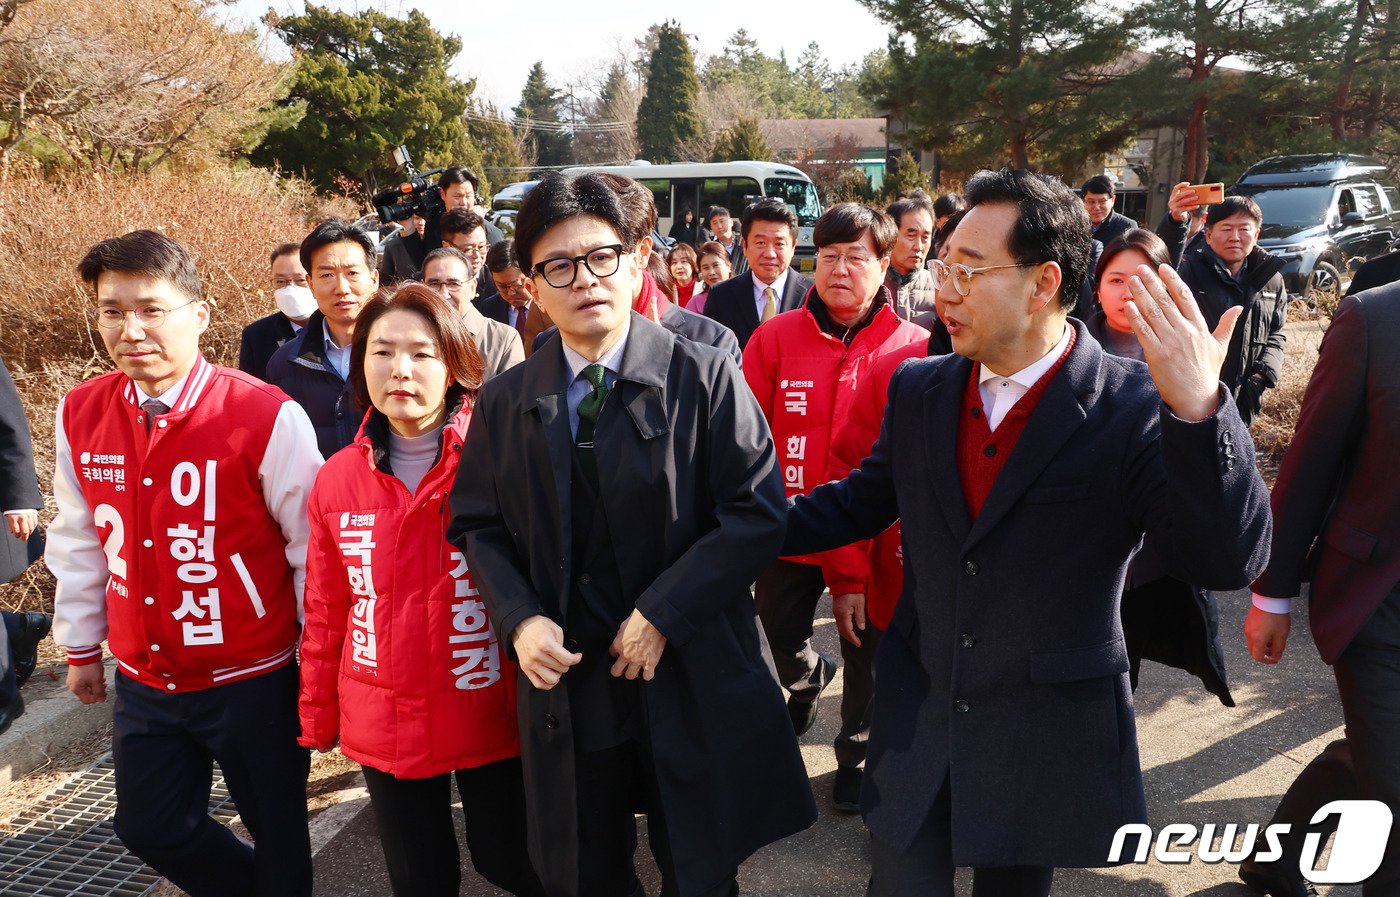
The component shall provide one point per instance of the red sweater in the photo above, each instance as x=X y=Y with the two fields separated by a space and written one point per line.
x=982 y=453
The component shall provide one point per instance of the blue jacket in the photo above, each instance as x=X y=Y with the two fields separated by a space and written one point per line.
x=299 y=369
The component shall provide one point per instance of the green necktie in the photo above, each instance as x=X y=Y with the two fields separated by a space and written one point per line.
x=588 y=410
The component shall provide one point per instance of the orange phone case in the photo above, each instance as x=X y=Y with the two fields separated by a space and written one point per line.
x=1209 y=194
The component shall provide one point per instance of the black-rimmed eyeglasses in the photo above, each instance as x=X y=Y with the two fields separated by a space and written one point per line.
x=561 y=272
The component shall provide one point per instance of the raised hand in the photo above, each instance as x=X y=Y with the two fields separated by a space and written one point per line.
x=1183 y=356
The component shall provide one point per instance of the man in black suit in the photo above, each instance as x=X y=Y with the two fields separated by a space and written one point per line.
x=1003 y=735
x=514 y=301
x=1337 y=507
x=20 y=501
x=262 y=338
x=770 y=286
x=619 y=492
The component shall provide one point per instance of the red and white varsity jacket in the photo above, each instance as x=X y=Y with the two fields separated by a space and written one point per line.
x=805 y=381
x=184 y=548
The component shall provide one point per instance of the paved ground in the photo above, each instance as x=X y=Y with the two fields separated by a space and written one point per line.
x=1203 y=763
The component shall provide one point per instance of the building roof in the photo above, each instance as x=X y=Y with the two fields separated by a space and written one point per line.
x=786 y=134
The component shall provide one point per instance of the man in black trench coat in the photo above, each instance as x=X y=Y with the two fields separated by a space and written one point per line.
x=617 y=495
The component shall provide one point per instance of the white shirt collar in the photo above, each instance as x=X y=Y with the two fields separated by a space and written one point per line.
x=759 y=286
x=612 y=359
x=336 y=357
x=170 y=398
x=1028 y=375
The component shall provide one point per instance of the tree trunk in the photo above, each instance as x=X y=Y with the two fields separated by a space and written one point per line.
x=1342 y=95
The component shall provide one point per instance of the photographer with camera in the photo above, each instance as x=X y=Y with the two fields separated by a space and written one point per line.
x=423 y=202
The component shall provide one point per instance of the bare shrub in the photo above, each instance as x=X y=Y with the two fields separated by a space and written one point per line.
x=1273 y=428
x=228 y=220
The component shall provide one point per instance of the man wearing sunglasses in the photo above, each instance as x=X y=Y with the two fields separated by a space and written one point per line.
x=619 y=493
x=1024 y=471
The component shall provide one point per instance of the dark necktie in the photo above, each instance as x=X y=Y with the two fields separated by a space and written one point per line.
x=153 y=408
x=521 y=316
x=588 y=410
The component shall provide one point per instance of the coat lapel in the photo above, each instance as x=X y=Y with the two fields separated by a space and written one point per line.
x=746 y=303
x=1054 y=420
x=795 y=291
x=942 y=405
x=642 y=378
x=546 y=384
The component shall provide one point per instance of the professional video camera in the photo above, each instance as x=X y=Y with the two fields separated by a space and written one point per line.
x=416 y=196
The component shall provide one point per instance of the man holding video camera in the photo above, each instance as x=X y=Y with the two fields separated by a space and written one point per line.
x=420 y=215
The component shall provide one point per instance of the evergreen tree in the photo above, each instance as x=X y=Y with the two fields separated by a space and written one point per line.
x=368 y=82
x=743 y=141
x=668 y=117
x=988 y=80
x=765 y=84
x=537 y=120
x=905 y=177
x=1278 y=37
x=491 y=148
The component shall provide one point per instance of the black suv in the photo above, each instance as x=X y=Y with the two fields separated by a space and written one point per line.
x=1324 y=214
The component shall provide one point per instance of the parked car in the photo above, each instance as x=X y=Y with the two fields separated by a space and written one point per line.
x=506 y=202
x=1324 y=214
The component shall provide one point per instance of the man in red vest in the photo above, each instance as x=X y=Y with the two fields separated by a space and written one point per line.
x=180 y=540
x=1024 y=471
x=805 y=366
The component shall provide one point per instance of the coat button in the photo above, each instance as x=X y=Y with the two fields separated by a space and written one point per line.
x=155 y=647
x=161 y=424
x=148 y=543
x=990 y=451
x=584 y=579
x=150 y=600
x=971 y=568
x=962 y=706
x=968 y=641
x=572 y=645
x=170 y=686
x=147 y=481
x=976 y=413
x=551 y=721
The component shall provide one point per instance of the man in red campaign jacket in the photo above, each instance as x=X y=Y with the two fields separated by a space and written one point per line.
x=870 y=571
x=181 y=540
x=805 y=366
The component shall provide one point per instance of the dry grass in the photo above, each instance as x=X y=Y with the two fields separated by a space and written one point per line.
x=1273 y=429
x=228 y=220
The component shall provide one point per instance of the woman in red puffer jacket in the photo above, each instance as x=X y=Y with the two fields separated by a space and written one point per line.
x=400 y=664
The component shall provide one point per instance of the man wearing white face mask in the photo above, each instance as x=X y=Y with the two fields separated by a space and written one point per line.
x=294 y=305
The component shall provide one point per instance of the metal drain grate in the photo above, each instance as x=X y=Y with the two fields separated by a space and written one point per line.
x=66 y=847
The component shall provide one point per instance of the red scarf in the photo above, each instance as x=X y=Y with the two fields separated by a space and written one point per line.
x=651 y=296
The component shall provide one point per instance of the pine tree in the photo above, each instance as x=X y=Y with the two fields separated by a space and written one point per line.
x=743 y=141
x=1277 y=37
x=368 y=82
x=537 y=119
x=991 y=80
x=668 y=117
